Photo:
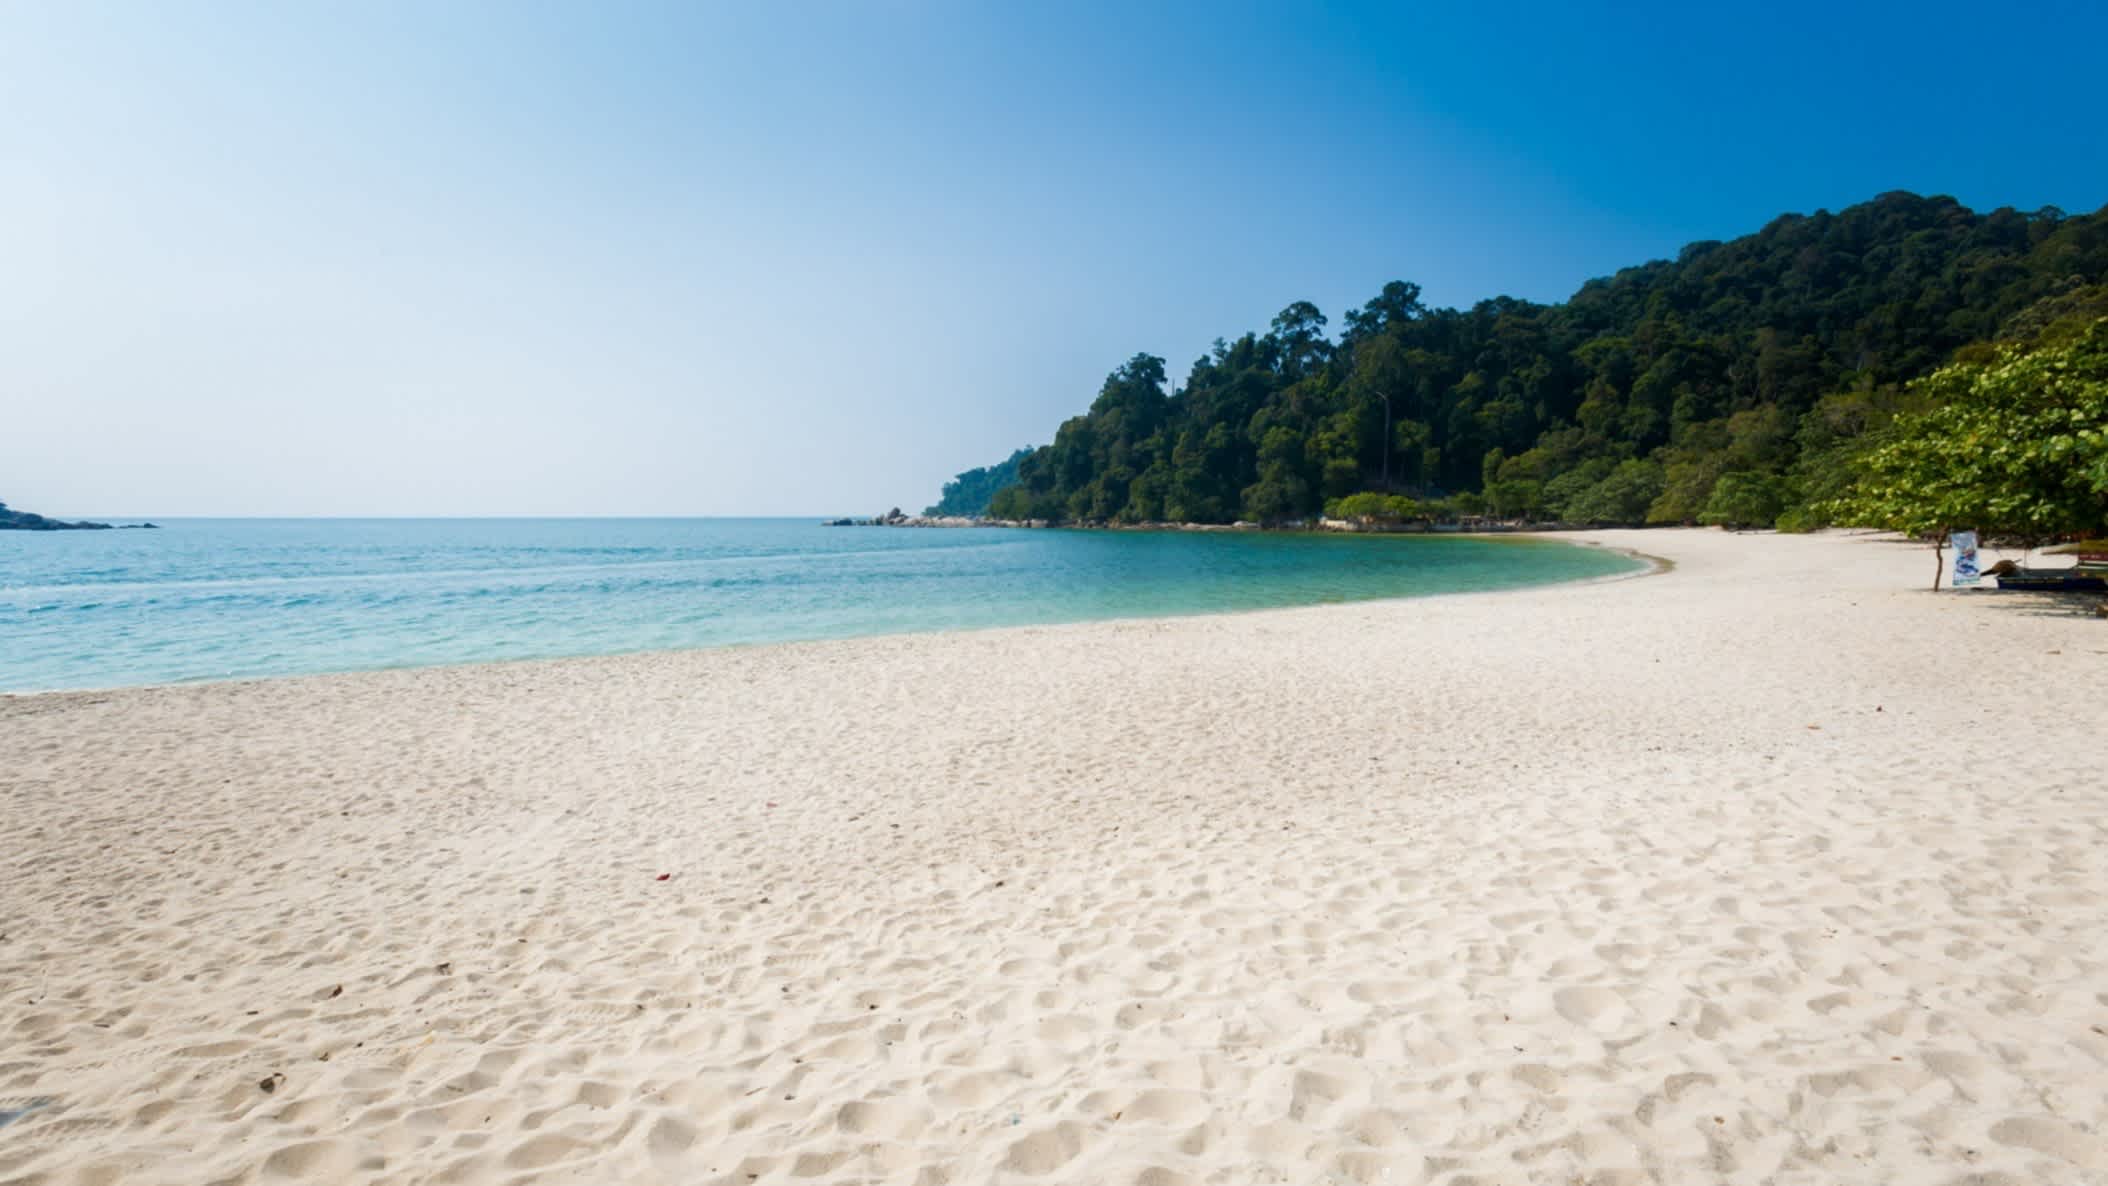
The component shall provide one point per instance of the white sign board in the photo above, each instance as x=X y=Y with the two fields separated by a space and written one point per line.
x=1966 y=572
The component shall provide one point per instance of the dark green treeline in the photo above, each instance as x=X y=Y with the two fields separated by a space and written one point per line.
x=1739 y=373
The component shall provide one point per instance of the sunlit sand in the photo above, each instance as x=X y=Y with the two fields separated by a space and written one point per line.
x=1773 y=867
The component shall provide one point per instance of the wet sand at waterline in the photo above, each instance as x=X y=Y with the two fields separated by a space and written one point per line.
x=1774 y=867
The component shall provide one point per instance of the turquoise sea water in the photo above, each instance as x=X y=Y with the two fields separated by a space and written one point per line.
x=228 y=598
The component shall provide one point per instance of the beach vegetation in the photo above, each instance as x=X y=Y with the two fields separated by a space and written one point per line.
x=1743 y=499
x=1621 y=495
x=2010 y=440
x=1371 y=506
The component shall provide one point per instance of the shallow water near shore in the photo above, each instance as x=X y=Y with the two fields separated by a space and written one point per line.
x=222 y=599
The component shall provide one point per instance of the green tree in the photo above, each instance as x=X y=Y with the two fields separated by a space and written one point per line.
x=1517 y=498
x=1375 y=507
x=1622 y=497
x=971 y=492
x=1743 y=499
x=2013 y=442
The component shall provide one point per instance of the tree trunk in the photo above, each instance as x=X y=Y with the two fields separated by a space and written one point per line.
x=1939 y=559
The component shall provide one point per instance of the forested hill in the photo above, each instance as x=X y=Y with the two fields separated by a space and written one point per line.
x=969 y=494
x=1756 y=358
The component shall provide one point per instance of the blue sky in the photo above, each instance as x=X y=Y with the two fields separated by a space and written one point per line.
x=789 y=258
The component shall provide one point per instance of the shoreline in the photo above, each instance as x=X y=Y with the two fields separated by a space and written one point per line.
x=1654 y=566
x=1650 y=564
x=1321 y=526
x=1765 y=865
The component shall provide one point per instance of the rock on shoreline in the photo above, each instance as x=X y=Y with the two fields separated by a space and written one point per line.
x=897 y=518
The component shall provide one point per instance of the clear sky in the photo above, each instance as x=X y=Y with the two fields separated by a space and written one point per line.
x=777 y=258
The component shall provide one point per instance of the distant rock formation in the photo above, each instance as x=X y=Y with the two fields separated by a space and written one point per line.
x=25 y=521
x=897 y=518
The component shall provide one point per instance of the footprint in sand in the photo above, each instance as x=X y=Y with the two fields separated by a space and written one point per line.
x=669 y=1138
x=1373 y=1168
x=884 y=1118
x=1314 y=1093
x=1045 y=1151
x=1167 y=1105
x=2054 y=1137
x=540 y=1152
x=1588 y=1007
x=311 y=1161
x=216 y=1050
x=819 y=1164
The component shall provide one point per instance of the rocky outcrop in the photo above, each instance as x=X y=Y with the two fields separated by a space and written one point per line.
x=897 y=518
x=11 y=520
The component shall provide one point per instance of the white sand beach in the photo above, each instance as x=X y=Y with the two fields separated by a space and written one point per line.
x=1774 y=868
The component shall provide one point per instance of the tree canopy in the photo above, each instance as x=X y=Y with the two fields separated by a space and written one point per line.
x=968 y=494
x=2011 y=440
x=1733 y=384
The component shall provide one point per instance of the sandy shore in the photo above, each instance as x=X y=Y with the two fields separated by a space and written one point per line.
x=1773 y=868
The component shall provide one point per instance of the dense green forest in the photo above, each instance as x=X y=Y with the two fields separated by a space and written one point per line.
x=1730 y=385
x=969 y=494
